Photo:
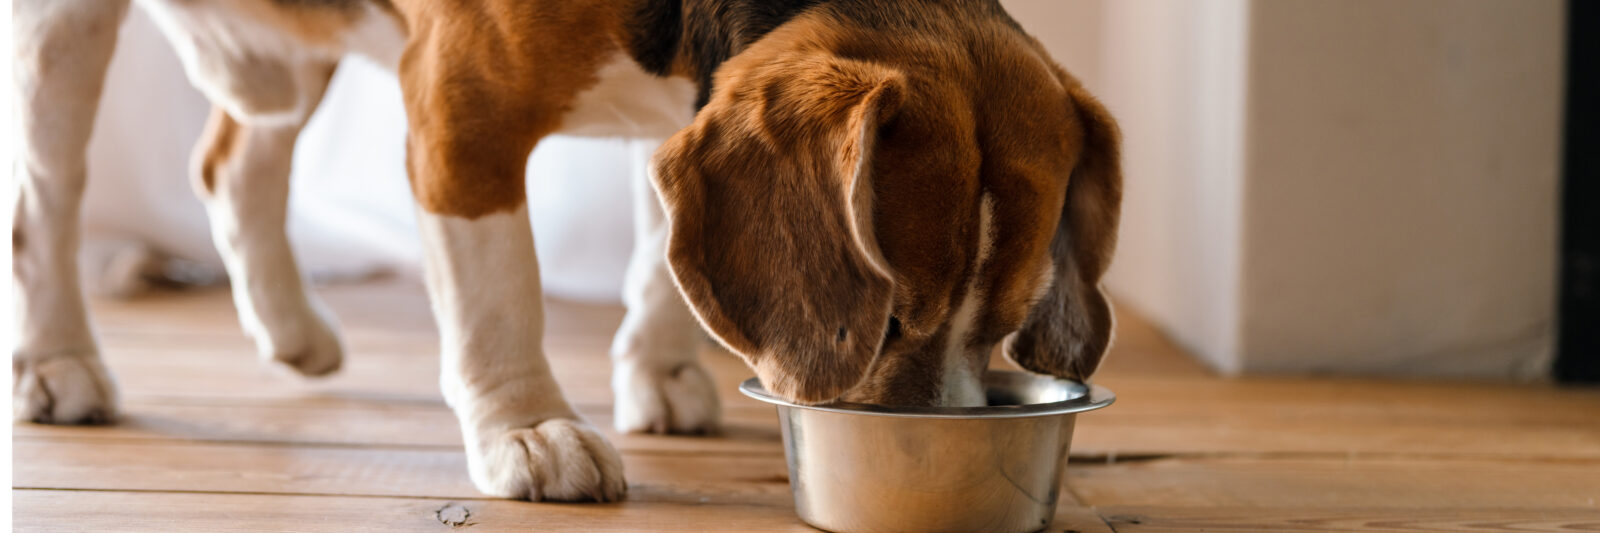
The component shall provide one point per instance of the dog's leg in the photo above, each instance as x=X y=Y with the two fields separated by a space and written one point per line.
x=658 y=381
x=523 y=439
x=241 y=173
x=467 y=152
x=62 y=49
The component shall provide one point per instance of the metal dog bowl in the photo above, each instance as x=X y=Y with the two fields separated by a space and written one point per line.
x=866 y=468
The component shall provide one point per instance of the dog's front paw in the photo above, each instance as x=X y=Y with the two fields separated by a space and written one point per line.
x=556 y=460
x=63 y=389
x=681 y=399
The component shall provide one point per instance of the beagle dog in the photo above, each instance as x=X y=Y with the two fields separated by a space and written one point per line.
x=871 y=196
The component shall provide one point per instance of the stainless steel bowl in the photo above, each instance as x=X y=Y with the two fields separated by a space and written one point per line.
x=857 y=468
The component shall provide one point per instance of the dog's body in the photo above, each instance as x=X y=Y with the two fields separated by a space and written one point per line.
x=871 y=196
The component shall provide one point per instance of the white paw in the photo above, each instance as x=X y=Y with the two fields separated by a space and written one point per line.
x=680 y=399
x=312 y=350
x=557 y=460
x=65 y=389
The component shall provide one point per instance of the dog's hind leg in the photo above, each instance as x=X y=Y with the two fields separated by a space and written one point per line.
x=62 y=48
x=657 y=379
x=241 y=173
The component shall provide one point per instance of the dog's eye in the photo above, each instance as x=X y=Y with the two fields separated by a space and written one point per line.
x=894 y=330
x=842 y=335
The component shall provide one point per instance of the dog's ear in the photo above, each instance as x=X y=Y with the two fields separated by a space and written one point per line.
x=769 y=198
x=1069 y=330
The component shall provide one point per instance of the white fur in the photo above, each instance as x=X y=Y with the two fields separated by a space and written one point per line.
x=963 y=369
x=247 y=205
x=140 y=196
x=270 y=83
x=59 y=376
x=377 y=36
x=659 y=383
x=657 y=379
x=241 y=63
x=523 y=440
x=627 y=101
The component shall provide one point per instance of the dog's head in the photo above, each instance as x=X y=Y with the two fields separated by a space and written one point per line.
x=863 y=214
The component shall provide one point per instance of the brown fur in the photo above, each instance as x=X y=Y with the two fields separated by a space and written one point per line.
x=483 y=82
x=803 y=133
x=788 y=253
x=757 y=202
x=1069 y=331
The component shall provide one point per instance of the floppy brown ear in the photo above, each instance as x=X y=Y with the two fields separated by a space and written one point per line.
x=769 y=199
x=1069 y=330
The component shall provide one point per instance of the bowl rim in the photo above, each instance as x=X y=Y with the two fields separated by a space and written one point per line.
x=1093 y=397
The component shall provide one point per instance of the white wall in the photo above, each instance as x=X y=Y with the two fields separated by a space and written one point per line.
x=1173 y=76
x=1171 y=71
x=1402 y=186
x=1359 y=186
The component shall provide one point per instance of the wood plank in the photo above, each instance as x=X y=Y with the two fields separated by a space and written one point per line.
x=1153 y=415
x=394 y=315
x=398 y=308
x=1268 y=396
x=380 y=398
x=1143 y=350
x=1340 y=482
x=751 y=428
x=382 y=376
x=204 y=467
x=591 y=327
x=375 y=448
x=70 y=511
x=1371 y=520
x=75 y=511
x=435 y=473
x=391 y=305
x=1110 y=435
x=1307 y=397
x=1341 y=415
x=355 y=423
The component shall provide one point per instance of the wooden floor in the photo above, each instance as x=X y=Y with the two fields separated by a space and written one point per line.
x=213 y=441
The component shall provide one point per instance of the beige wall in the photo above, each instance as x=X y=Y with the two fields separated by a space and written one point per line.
x=1402 y=186
x=1173 y=78
x=1332 y=185
x=1170 y=71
